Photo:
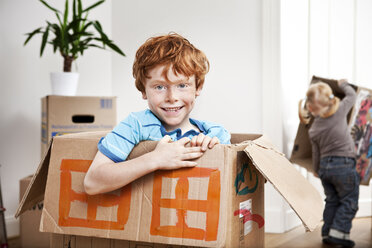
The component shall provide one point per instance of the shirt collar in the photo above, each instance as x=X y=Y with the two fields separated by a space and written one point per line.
x=178 y=131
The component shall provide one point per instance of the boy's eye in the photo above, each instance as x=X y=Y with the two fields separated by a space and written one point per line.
x=159 y=87
x=182 y=85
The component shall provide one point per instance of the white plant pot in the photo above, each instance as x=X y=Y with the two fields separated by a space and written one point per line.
x=64 y=83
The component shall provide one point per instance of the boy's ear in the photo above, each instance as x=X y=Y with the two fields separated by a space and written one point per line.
x=144 y=96
x=198 y=91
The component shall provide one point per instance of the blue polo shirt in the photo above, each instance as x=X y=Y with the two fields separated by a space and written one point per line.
x=144 y=125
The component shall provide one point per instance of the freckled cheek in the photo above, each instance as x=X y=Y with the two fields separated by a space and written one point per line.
x=190 y=100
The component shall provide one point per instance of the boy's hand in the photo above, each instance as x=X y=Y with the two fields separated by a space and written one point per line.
x=173 y=155
x=204 y=141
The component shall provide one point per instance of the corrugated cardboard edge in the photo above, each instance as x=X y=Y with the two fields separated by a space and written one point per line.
x=289 y=190
x=36 y=189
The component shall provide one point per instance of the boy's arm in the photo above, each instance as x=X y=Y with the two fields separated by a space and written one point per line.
x=104 y=175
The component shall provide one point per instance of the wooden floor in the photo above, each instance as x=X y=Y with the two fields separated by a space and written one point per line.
x=361 y=233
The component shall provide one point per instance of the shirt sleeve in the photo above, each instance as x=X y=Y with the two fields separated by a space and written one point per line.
x=117 y=144
x=350 y=97
x=315 y=156
x=215 y=130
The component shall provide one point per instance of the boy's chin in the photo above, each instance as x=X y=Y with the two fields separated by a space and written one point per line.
x=171 y=126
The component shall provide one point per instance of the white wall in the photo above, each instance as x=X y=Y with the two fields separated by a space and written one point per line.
x=24 y=80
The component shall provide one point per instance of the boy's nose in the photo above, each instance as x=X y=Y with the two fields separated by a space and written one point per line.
x=171 y=95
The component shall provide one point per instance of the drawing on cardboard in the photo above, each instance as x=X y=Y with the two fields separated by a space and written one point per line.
x=211 y=206
x=247 y=216
x=361 y=130
x=68 y=195
x=240 y=179
x=181 y=203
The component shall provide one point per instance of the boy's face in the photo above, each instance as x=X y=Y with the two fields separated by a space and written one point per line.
x=171 y=101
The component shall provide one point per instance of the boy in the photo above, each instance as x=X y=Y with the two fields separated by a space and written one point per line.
x=169 y=72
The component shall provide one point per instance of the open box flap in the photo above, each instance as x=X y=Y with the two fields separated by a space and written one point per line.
x=36 y=189
x=303 y=198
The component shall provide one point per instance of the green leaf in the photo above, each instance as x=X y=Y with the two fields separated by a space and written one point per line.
x=30 y=35
x=98 y=26
x=80 y=8
x=116 y=48
x=74 y=8
x=66 y=14
x=44 y=40
x=86 y=26
x=55 y=27
x=94 y=45
x=93 y=5
x=59 y=19
x=110 y=44
x=51 y=8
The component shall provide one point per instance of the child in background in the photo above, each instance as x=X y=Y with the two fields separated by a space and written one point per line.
x=169 y=72
x=333 y=157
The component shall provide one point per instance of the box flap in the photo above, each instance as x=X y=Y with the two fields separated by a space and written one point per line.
x=36 y=189
x=295 y=189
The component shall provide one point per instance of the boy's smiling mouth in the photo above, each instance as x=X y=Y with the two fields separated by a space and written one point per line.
x=172 y=109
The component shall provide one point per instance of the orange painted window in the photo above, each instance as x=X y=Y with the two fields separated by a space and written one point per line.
x=181 y=203
x=68 y=195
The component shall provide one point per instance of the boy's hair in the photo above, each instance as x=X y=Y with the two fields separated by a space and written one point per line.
x=170 y=50
x=322 y=94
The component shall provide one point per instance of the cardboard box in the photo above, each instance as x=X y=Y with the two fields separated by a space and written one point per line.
x=219 y=203
x=360 y=123
x=29 y=222
x=72 y=114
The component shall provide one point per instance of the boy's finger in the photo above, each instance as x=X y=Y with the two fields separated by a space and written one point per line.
x=192 y=155
x=213 y=142
x=199 y=139
x=193 y=141
x=184 y=141
x=193 y=149
x=205 y=143
x=188 y=163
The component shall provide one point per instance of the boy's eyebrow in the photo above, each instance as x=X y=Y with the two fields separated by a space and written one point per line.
x=186 y=80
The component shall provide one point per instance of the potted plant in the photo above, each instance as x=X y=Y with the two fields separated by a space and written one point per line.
x=71 y=38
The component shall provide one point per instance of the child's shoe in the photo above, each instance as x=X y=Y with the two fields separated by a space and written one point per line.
x=346 y=243
x=339 y=238
x=325 y=239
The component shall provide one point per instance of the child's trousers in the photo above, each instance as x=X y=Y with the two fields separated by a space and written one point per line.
x=341 y=188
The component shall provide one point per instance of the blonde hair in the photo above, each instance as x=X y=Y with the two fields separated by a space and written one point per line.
x=318 y=94
x=170 y=50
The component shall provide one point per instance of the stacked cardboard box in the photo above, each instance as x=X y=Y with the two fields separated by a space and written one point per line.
x=360 y=123
x=72 y=114
x=219 y=203
x=61 y=115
